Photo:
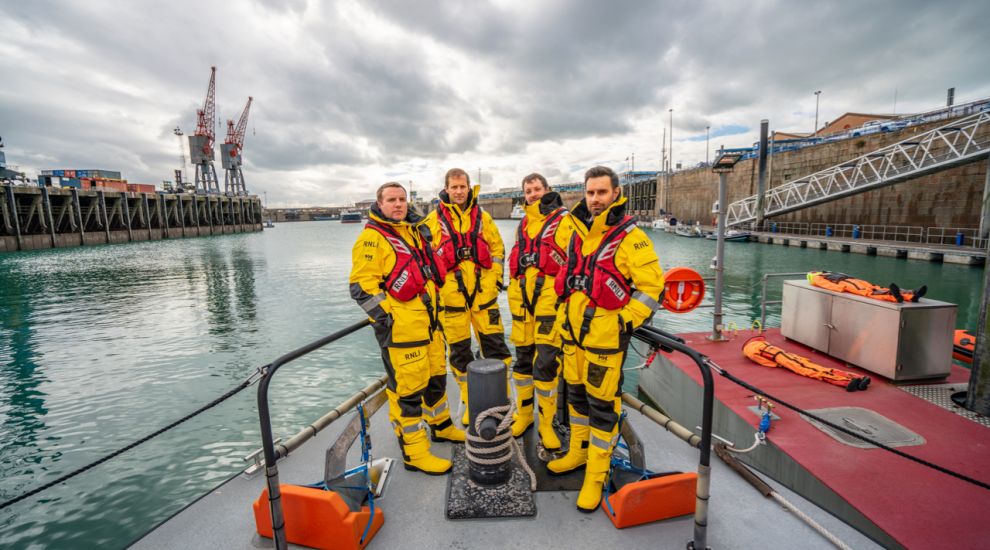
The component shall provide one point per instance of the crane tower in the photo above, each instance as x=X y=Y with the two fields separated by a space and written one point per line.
x=201 y=143
x=230 y=153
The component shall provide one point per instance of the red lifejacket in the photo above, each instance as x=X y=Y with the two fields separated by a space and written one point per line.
x=456 y=247
x=540 y=251
x=414 y=266
x=596 y=274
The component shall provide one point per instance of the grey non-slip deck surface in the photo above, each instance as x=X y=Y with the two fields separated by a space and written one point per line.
x=414 y=508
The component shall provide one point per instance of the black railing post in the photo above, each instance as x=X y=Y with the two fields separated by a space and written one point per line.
x=669 y=342
x=267 y=438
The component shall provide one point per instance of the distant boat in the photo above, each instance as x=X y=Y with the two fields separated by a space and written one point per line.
x=660 y=224
x=518 y=212
x=350 y=217
x=687 y=231
x=732 y=235
x=269 y=224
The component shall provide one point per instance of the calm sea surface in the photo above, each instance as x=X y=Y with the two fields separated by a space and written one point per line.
x=100 y=346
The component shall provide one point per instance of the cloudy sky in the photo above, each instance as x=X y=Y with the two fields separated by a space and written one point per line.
x=349 y=94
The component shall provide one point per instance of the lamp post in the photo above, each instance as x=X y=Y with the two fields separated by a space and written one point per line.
x=722 y=166
x=817 y=95
x=671 y=112
x=707 y=143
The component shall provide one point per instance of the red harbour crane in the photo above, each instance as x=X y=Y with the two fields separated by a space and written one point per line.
x=201 y=143
x=230 y=153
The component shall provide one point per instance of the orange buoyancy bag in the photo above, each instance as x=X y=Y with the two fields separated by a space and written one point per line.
x=840 y=282
x=540 y=251
x=596 y=275
x=764 y=353
x=413 y=266
x=455 y=247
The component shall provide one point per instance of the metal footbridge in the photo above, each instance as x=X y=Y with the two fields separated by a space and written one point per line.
x=956 y=143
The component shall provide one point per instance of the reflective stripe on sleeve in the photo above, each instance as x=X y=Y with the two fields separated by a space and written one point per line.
x=373 y=302
x=646 y=300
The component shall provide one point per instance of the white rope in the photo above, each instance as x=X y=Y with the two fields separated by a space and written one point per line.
x=811 y=523
x=758 y=437
x=637 y=367
x=502 y=440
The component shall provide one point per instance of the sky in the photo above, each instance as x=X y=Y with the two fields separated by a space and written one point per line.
x=351 y=94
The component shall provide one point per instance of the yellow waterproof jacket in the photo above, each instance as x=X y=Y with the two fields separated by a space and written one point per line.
x=536 y=217
x=635 y=259
x=372 y=260
x=490 y=279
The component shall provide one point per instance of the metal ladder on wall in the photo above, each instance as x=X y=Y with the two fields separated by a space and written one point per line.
x=955 y=143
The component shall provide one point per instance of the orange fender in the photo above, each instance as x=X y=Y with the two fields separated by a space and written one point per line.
x=318 y=519
x=683 y=290
x=654 y=499
x=963 y=346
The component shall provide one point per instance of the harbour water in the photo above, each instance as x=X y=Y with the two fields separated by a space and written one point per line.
x=100 y=346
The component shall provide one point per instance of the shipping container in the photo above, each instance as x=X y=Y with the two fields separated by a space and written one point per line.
x=140 y=188
x=82 y=173
x=58 y=172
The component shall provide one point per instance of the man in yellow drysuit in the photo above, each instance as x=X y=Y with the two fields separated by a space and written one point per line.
x=468 y=246
x=395 y=279
x=535 y=260
x=610 y=285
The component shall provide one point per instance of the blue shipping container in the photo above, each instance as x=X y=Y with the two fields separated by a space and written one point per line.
x=82 y=173
x=58 y=173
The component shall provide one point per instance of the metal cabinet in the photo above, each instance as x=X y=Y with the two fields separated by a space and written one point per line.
x=898 y=341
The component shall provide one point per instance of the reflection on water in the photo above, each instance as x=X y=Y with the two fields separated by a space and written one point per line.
x=101 y=345
x=23 y=410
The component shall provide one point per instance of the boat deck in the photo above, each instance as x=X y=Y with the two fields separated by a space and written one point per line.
x=413 y=504
x=897 y=501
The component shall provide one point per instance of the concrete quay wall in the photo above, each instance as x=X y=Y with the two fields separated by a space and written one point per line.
x=949 y=198
x=33 y=218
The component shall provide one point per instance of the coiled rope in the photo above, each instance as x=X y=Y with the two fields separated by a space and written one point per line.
x=503 y=440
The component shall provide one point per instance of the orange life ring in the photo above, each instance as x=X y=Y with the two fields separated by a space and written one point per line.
x=683 y=290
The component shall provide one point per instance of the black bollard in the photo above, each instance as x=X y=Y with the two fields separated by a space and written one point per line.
x=486 y=380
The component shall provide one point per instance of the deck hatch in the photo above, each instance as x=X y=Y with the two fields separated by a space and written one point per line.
x=867 y=423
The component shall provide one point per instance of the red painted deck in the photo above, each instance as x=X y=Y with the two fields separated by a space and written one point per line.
x=917 y=506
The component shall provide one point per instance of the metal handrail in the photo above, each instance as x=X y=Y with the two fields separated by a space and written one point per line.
x=267 y=439
x=949 y=145
x=669 y=342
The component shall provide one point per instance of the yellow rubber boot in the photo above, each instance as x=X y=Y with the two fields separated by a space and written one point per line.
x=523 y=417
x=599 y=461
x=442 y=428
x=546 y=397
x=417 y=457
x=462 y=384
x=577 y=452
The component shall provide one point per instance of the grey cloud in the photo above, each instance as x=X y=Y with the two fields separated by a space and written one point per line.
x=332 y=92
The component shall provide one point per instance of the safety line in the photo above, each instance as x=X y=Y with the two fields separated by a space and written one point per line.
x=248 y=382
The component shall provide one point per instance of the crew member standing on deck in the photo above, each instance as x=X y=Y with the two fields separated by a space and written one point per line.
x=395 y=279
x=610 y=285
x=469 y=247
x=535 y=259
